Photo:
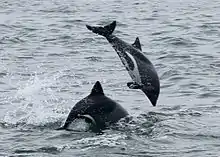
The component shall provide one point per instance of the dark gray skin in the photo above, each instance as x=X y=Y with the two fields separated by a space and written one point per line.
x=97 y=109
x=140 y=68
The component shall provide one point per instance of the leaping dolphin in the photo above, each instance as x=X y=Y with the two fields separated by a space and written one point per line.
x=140 y=68
x=97 y=109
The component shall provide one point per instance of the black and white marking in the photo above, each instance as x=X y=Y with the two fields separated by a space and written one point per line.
x=97 y=109
x=140 y=69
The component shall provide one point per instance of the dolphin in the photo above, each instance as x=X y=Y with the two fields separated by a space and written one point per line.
x=140 y=69
x=97 y=109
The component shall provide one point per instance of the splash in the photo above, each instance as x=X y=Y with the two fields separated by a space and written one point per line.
x=34 y=102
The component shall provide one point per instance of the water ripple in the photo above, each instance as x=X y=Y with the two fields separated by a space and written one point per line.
x=48 y=150
x=49 y=61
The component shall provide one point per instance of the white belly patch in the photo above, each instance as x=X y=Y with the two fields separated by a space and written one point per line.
x=88 y=117
x=135 y=75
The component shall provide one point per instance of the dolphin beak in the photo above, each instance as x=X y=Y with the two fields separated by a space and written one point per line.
x=153 y=101
x=152 y=96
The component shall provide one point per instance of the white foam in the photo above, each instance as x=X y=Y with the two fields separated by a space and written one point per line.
x=34 y=102
x=106 y=140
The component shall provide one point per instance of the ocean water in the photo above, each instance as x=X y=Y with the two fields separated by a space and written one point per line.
x=49 y=61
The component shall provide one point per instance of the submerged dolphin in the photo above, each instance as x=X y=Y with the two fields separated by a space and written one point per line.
x=140 y=69
x=97 y=109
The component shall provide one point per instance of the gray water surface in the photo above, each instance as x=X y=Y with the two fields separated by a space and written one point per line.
x=49 y=61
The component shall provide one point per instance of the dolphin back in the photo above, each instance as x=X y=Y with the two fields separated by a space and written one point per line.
x=104 y=31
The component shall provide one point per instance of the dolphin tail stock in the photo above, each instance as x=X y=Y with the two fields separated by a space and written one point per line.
x=104 y=31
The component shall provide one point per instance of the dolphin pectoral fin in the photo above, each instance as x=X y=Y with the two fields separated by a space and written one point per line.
x=134 y=85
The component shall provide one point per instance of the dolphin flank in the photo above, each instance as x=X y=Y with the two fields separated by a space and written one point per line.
x=140 y=69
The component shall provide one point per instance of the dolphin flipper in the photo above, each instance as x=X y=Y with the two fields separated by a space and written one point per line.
x=134 y=85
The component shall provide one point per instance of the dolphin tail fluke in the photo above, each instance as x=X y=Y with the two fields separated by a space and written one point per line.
x=104 y=31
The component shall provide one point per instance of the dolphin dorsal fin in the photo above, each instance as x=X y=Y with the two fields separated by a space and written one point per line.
x=137 y=44
x=97 y=89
